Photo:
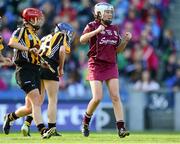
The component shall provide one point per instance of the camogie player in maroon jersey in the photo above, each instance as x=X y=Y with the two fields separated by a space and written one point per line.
x=105 y=43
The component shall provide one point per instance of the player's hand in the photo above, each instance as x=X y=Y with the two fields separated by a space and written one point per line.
x=34 y=51
x=40 y=52
x=6 y=62
x=127 y=36
x=45 y=65
x=60 y=72
x=100 y=28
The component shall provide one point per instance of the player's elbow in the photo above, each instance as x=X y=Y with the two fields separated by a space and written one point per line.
x=62 y=49
x=11 y=44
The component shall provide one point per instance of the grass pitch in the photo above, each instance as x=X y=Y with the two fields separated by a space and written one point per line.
x=94 y=138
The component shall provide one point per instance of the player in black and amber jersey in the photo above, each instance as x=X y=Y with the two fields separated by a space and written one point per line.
x=3 y=60
x=24 y=41
x=26 y=37
x=53 y=49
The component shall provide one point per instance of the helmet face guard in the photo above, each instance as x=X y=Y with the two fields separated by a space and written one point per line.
x=101 y=8
x=66 y=28
x=33 y=16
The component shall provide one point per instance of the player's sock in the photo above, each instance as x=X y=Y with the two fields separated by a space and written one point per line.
x=28 y=120
x=87 y=119
x=85 y=127
x=50 y=125
x=41 y=127
x=122 y=132
x=120 y=124
x=12 y=116
x=53 y=125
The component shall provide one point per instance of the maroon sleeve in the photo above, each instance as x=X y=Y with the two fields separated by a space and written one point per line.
x=90 y=27
x=119 y=33
x=87 y=29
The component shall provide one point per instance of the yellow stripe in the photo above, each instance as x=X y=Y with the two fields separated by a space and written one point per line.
x=36 y=41
x=1 y=46
x=52 y=42
x=14 y=39
x=28 y=44
x=26 y=38
x=67 y=48
x=53 y=39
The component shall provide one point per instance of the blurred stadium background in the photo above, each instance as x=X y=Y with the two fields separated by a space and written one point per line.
x=149 y=68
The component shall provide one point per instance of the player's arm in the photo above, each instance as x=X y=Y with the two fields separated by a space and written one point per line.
x=62 y=56
x=1 y=57
x=1 y=48
x=15 y=38
x=124 y=42
x=1 y=43
x=4 y=60
x=86 y=37
x=14 y=44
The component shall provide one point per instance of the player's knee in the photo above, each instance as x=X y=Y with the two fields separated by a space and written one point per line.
x=36 y=100
x=38 y=103
x=115 y=98
x=41 y=100
x=52 y=100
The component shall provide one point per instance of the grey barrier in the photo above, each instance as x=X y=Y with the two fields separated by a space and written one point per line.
x=136 y=107
x=177 y=112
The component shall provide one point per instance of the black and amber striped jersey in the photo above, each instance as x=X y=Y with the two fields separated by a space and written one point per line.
x=28 y=38
x=1 y=43
x=51 y=44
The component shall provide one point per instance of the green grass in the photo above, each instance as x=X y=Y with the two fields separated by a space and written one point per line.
x=95 y=138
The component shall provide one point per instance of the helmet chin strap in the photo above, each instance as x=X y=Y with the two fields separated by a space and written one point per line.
x=34 y=26
x=107 y=22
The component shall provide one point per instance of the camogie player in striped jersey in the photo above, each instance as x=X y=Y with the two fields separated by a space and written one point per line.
x=53 y=49
x=3 y=60
x=26 y=59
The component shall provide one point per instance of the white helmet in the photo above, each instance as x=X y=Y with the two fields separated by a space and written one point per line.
x=101 y=7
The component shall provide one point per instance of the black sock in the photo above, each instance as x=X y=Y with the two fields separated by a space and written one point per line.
x=28 y=120
x=120 y=124
x=12 y=116
x=87 y=119
x=50 y=125
x=41 y=128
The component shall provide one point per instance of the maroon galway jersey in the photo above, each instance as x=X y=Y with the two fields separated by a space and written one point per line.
x=103 y=45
